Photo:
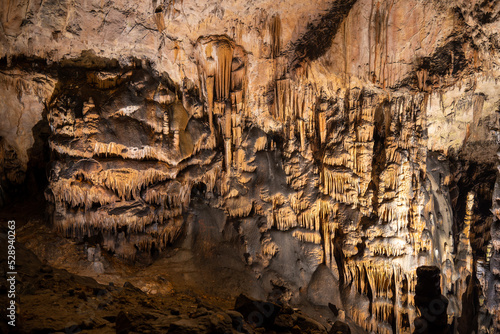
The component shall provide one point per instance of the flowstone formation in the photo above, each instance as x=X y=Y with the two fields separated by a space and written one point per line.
x=338 y=146
x=128 y=146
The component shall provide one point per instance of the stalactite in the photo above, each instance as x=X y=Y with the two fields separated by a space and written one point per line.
x=340 y=159
x=282 y=100
x=365 y=132
x=269 y=247
x=422 y=79
x=238 y=102
x=222 y=71
x=379 y=278
x=306 y=236
x=275 y=32
x=224 y=54
x=260 y=144
x=239 y=207
x=123 y=181
x=302 y=132
x=228 y=153
x=309 y=219
x=106 y=80
x=205 y=142
x=390 y=248
x=322 y=126
x=80 y=194
x=159 y=20
x=118 y=150
x=210 y=86
x=343 y=186
x=284 y=218
x=78 y=225
x=298 y=204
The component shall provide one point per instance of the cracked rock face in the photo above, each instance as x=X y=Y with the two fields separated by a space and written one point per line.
x=337 y=146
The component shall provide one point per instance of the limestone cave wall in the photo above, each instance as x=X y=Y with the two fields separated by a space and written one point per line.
x=337 y=146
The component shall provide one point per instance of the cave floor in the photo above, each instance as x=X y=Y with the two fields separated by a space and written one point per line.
x=59 y=290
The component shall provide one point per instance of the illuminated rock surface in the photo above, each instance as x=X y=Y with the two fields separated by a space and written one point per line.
x=308 y=153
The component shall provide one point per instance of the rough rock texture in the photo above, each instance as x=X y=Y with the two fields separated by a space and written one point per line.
x=60 y=302
x=341 y=143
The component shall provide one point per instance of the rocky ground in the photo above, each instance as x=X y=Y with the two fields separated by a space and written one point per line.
x=62 y=290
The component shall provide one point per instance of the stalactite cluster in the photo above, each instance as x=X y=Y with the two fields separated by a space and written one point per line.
x=345 y=170
x=352 y=139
